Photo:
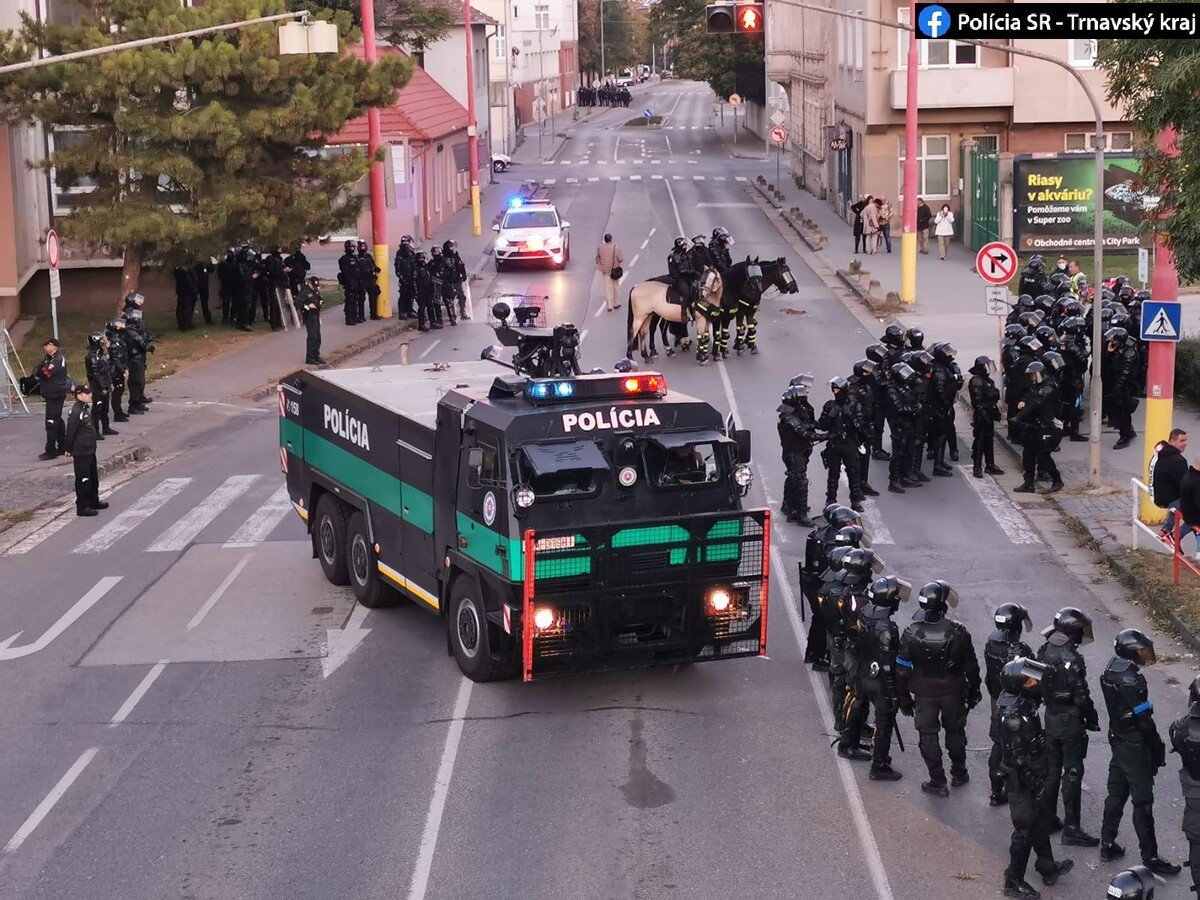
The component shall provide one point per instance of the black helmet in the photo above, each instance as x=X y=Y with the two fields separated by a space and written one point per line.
x=915 y=338
x=804 y=380
x=865 y=368
x=1074 y=623
x=1141 y=296
x=1031 y=345
x=1119 y=318
x=699 y=239
x=449 y=246
x=96 y=339
x=1029 y=320
x=362 y=246
x=406 y=239
x=1015 y=332
x=922 y=361
x=837 y=558
x=1011 y=618
x=116 y=324
x=1025 y=302
x=843 y=516
x=792 y=397
x=1072 y=325
x=1194 y=690
x=893 y=336
x=1044 y=302
x=1134 y=645
x=1136 y=883
x=350 y=246
x=1059 y=278
x=1115 y=335
x=624 y=365
x=936 y=598
x=904 y=372
x=1035 y=263
x=134 y=299
x=681 y=243
x=720 y=233
x=421 y=257
x=435 y=251
x=838 y=384
x=1046 y=335
x=984 y=365
x=944 y=352
x=1125 y=293
x=877 y=353
x=1053 y=361
x=889 y=592
x=1120 y=281
x=1023 y=677
x=1036 y=372
x=850 y=536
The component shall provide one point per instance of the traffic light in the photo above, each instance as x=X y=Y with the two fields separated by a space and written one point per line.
x=735 y=18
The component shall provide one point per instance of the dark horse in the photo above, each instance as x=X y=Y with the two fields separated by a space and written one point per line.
x=742 y=279
x=776 y=274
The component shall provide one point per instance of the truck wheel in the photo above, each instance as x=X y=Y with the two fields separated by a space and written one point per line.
x=329 y=534
x=470 y=637
x=368 y=587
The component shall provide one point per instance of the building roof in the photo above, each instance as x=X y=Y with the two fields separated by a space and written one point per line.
x=423 y=111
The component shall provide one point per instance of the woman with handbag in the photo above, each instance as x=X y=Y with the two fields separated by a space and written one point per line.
x=608 y=264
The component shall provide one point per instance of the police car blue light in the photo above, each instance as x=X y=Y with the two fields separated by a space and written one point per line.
x=538 y=390
x=516 y=203
x=564 y=389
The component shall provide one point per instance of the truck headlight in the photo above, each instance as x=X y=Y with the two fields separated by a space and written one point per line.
x=743 y=475
x=524 y=496
x=543 y=618
x=719 y=600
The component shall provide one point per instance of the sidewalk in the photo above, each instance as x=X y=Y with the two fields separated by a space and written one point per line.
x=950 y=307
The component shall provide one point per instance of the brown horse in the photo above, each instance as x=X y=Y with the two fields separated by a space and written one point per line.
x=648 y=299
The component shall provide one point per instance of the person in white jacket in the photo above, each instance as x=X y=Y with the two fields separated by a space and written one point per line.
x=943 y=227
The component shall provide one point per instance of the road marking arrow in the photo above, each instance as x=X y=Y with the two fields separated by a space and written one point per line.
x=342 y=642
x=82 y=605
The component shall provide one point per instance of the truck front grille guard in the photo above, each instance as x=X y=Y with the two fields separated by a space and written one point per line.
x=630 y=593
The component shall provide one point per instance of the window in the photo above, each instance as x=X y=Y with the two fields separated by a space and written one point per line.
x=531 y=218
x=686 y=465
x=1085 y=142
x=986 y=143
x=935 y=54
x=498 y=94
x=499 y=43
x=558 y=483
x=1082 y=52
x=419 y=58
x=541 y=17
x=858 y=45
x=64 y=197
x=67 y=12
x=933 y=165
x=841 y=42
x=480 y=68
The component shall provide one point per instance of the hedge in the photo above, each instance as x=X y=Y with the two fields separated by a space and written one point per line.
x=1187 y=369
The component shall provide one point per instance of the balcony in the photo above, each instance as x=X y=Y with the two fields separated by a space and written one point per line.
x=956 y=88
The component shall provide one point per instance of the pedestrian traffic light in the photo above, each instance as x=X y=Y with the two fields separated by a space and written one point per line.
x=720 y=18
x=749 y=18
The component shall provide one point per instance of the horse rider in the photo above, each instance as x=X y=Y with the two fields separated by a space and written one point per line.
x=683 y=273
x=719 y=249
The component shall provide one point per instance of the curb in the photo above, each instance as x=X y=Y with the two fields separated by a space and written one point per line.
x=119 y=461
x=335 y=358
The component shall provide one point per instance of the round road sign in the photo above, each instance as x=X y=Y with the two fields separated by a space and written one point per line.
x=779 y=135
x=735 y=99
x=52 y=248
x=996 y=262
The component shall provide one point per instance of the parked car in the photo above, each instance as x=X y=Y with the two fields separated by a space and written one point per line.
x=625 y=79
x=500 y=162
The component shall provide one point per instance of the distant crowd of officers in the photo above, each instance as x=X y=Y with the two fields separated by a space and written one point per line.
x=430 y=282
x=606 y=94
x=930 y=672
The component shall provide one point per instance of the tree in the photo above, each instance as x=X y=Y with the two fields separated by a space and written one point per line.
x=730 y=63
x=195 y=145
x=415 y=24
x=626 y=36
x=1157 y=82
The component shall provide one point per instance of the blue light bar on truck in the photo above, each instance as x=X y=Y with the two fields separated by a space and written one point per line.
x=595 y=387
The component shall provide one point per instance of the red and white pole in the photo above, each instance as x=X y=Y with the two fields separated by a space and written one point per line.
x=378 y=195
x=472 y=128
x=908 y=239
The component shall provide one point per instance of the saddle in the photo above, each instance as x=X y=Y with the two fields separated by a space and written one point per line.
x=673 y=295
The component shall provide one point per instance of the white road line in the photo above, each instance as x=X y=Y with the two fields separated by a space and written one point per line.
x=600 y=310
x=593 y=178
x=549 y=181
x=614 y=177
x=635 y=177
x=677 y=178
x=866 y=836
x=636 y=257
x=583 y=334
x=125 y=522
x=441 y=788
x=218 y=593
x=652 y=230
x=53 y=520
x=424 y=353
x=675 y=207
x=183 y=532
x=138 y=693
x=65 y=621
x=639 y=162
x=876 y=527
x=48 y=802
x=656 y=162
x=656 y=178
x=697 y=178
x=572 y=181
x=670 y=152
x=263 y=521
x=740 y=178
x=1010 y=519
x=693 y=162
x=616 y=147
x=565 y=162
x=621 y=162
x=645 y=243
x=718 y=178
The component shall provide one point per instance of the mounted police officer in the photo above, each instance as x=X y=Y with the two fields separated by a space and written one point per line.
x=844 y=421
x=1185 y=740
x=797 y=434
x=1003 y=645
x=939 y=684
x=720 y=249
x=1023 y=758
x=985 y=413
x=1138 y=751
x=1070 y=715
x=902 y=414
x=683 y=273
x=874 y=679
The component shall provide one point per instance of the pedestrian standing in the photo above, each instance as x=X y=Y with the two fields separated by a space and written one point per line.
x=200 y=273
x=52 y=375
x=885 y=222
x=81 y=445
x=608 y=261
x=99 y=375
x=310 y=302
x=1185 y=740
x=924 y=221
x=857 y=209
x=871 y=227
x=1138 y=751
x=943 y=227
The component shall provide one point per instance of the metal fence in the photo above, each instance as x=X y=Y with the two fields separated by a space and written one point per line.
x=1173 y=539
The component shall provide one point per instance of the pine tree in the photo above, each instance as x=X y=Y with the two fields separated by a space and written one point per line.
x=196 y=145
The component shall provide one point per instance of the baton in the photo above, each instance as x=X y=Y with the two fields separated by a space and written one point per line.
x=900 y=736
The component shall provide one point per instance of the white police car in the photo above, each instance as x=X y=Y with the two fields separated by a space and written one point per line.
x=532 y=231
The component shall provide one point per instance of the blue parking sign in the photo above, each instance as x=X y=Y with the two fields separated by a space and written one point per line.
x=1161 y=320
x=648 y=113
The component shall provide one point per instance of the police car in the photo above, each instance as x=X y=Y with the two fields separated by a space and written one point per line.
x=532 y=231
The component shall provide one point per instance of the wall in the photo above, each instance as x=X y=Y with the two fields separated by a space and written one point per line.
x=445 y=62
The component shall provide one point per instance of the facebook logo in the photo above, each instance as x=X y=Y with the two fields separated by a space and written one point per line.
x=934 y=21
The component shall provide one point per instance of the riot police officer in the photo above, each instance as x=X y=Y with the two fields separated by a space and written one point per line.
x=1003 y=645
x=99 y=375
x=1076 y=354
x=1185 y=740
x=442 y=274
x=118 y=361
x=943 y=387
x=874 y=677
x=985 y=413
x=1123 y=355
x=914 y=339
x=405 y=258
x=902 y=414
x=1138 y=751
x=369 y=275
x=1017 y=381
x=840 y=602
x=720 y=248
x=862 y=390
x=797 y=434
x=429 y=314
x=457 y=270
x=310 y=302
x=1033 y=278
x=817 y=547
x=682 y=272
x=922 y=363
x=140 y=343
x=878 y=354
x=1070 y=715
x=842 y=419
x=1023 y=757
x=350 y=278
x=701 y=258
x=939 y=684
x=1037 y=417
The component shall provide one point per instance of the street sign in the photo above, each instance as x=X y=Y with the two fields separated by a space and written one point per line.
x=996 y=297
x=55 y=284
x=778 y=118
x=996 y=262
x=53 y=256
x=779 y=135
x=1143 y=265
x=52 y=251
x=1161 y=320
x=647 y=113
x=735 y=99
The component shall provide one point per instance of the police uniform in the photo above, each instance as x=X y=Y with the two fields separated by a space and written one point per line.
x=1041 y=429
x=861 y=386
x=310 y=302
x=1185 y=740
x=1123 y=354
x=369 y=274
x=404 y=262
x=985 y=413
x=840 y=601
x=99 y=374
x=797 y=433
x=350 y=278
x=52 y=374
x=81 y=444
x=943 y=386
x=901 y=414
x=1002 y=646
x=843 y=420
x=428 y=312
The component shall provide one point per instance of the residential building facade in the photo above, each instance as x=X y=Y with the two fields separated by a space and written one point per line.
x=543 y=38
x=502 y=107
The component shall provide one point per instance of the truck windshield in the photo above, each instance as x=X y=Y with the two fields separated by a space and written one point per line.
x=565 y=469
x=685 y=465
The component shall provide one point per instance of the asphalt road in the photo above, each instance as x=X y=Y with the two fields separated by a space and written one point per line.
x=170 y=729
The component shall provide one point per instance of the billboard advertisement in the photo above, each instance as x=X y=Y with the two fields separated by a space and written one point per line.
x=1055 y=203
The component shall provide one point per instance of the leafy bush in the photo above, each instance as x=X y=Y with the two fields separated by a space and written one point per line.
x=1187 y=369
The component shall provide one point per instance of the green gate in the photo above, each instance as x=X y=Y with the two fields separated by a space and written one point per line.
x=985 y=198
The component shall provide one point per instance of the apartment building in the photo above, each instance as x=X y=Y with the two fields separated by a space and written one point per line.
x=543 y=57
x=502 y=104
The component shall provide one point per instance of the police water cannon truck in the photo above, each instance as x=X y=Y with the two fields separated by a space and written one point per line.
x=556 y=524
